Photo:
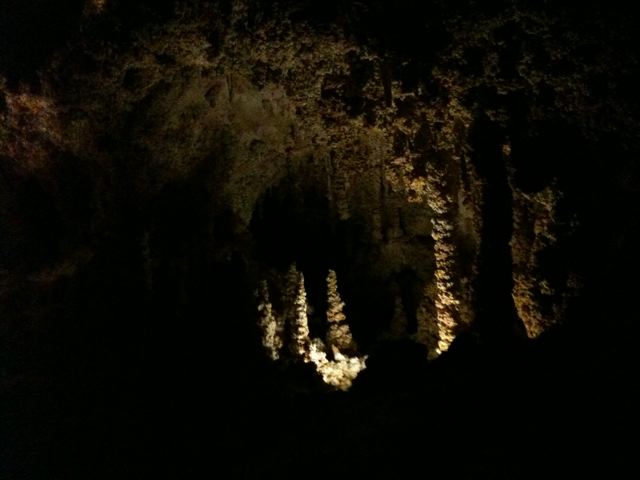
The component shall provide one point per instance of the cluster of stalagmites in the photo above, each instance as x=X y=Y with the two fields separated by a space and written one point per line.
x=337 y=360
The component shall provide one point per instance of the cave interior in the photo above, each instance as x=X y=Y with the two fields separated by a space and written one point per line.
x=468 y=170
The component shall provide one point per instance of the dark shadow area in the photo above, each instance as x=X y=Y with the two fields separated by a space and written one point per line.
x=496 y=315
x=21 y=21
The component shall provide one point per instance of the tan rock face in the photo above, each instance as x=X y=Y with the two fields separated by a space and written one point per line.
x=243 y=106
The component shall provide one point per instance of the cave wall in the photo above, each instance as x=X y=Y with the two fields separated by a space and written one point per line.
x=178 y=128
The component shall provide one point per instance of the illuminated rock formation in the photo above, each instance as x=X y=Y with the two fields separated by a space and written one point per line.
x=269 y=325
x=290 y=294
x=447 y=302
x=232 y=108
x=339 y=372
x=539 y=300
x=300 y=341
x=343 y=365
x=465 y=165
x=339 y=338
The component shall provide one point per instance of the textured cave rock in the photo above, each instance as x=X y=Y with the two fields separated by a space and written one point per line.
x=398 y=157
x=468 y=169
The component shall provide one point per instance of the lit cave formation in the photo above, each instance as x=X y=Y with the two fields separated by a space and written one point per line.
x=343 y=364
x=255 y=239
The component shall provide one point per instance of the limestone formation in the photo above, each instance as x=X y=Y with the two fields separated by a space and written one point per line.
x=339 y=338
x=232 y=108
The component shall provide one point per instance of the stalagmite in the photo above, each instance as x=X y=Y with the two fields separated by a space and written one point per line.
x=447 y=303
x=426 y=318
x=300 y=328
x=339 y=338
x=269 y=325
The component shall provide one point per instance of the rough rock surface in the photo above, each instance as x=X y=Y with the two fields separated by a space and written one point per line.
x=266 y=103
x=468 y=168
